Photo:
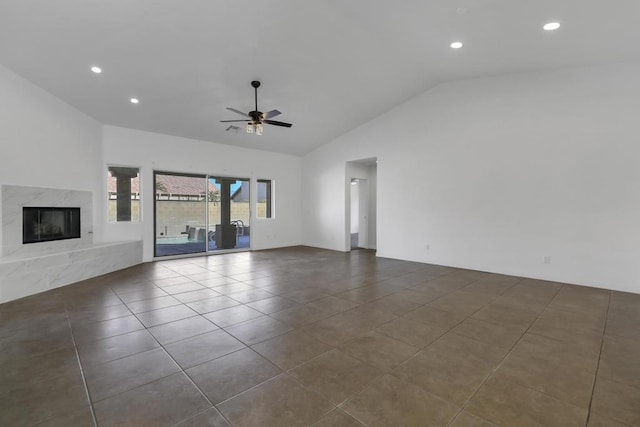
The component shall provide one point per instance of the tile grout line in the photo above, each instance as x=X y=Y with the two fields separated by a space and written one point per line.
x=283 y=372
x=191 y=380
x=337 y=405
x=422 y=349
x=447 y=330
x=397 y=316
x=462 y=321
x=181 y=369
x=490 y=374
x=288 y=373
x=82 y=374
x=595 y=377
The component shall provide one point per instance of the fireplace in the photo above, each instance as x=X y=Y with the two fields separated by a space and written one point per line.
x=50 y=223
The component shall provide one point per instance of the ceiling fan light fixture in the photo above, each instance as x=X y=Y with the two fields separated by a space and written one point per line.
x=256 y=119
x=551 y=26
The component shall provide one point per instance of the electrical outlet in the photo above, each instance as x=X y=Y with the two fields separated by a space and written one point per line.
x=547 y=259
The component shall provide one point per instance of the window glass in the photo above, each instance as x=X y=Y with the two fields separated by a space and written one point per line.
x=265 y=198
x=123 y=187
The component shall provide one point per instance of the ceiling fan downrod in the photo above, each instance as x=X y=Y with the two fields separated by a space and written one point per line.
x=256 y=85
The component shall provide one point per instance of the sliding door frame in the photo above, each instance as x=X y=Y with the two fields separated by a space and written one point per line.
x=206 y=177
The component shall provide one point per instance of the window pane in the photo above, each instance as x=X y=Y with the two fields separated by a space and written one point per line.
x=123 y=186
x=265 y=198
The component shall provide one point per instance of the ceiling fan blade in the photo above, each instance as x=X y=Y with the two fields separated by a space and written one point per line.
x=270 y=114
x=275 y=123
x=231 y=121
x=238 y=112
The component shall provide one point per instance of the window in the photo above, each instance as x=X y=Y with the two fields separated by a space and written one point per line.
x=123 y=187
x=265 y=198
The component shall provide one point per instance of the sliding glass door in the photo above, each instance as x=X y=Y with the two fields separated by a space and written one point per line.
x=200 y=213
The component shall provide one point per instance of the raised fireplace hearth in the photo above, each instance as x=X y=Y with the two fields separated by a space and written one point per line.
x=62 y=222
x=45 y=224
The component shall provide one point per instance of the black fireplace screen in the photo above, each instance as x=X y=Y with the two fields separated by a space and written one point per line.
x=47 y=224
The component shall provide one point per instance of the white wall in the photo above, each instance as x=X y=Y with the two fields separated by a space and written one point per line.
x=45 y=142
x=151 y=151
x=495 y=174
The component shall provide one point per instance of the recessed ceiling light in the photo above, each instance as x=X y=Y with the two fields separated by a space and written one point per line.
x=456 y=45
x=551 y=26
x=134 y=100
x=96 y=70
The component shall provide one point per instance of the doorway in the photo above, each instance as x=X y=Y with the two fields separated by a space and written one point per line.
x=361 y=204
x=359 y=235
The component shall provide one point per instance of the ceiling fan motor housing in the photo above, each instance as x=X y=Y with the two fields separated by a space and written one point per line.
x=256 y=116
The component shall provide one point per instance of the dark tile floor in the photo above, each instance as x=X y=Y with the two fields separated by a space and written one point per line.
x=302 y=336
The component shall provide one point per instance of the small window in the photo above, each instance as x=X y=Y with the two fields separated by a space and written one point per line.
x=265 y=198
x=123 y=187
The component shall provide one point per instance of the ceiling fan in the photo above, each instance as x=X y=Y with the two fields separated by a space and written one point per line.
x=256 y=118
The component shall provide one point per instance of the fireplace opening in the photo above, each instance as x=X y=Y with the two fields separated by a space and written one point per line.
x=49 y=223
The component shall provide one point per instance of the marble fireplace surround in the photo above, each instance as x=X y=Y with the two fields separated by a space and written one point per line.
x=26 y=269
x=14 y=198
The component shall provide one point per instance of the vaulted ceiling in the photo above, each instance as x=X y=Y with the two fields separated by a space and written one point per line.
x=327 y=65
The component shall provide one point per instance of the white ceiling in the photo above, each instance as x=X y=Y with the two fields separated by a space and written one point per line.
x=329 y=65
